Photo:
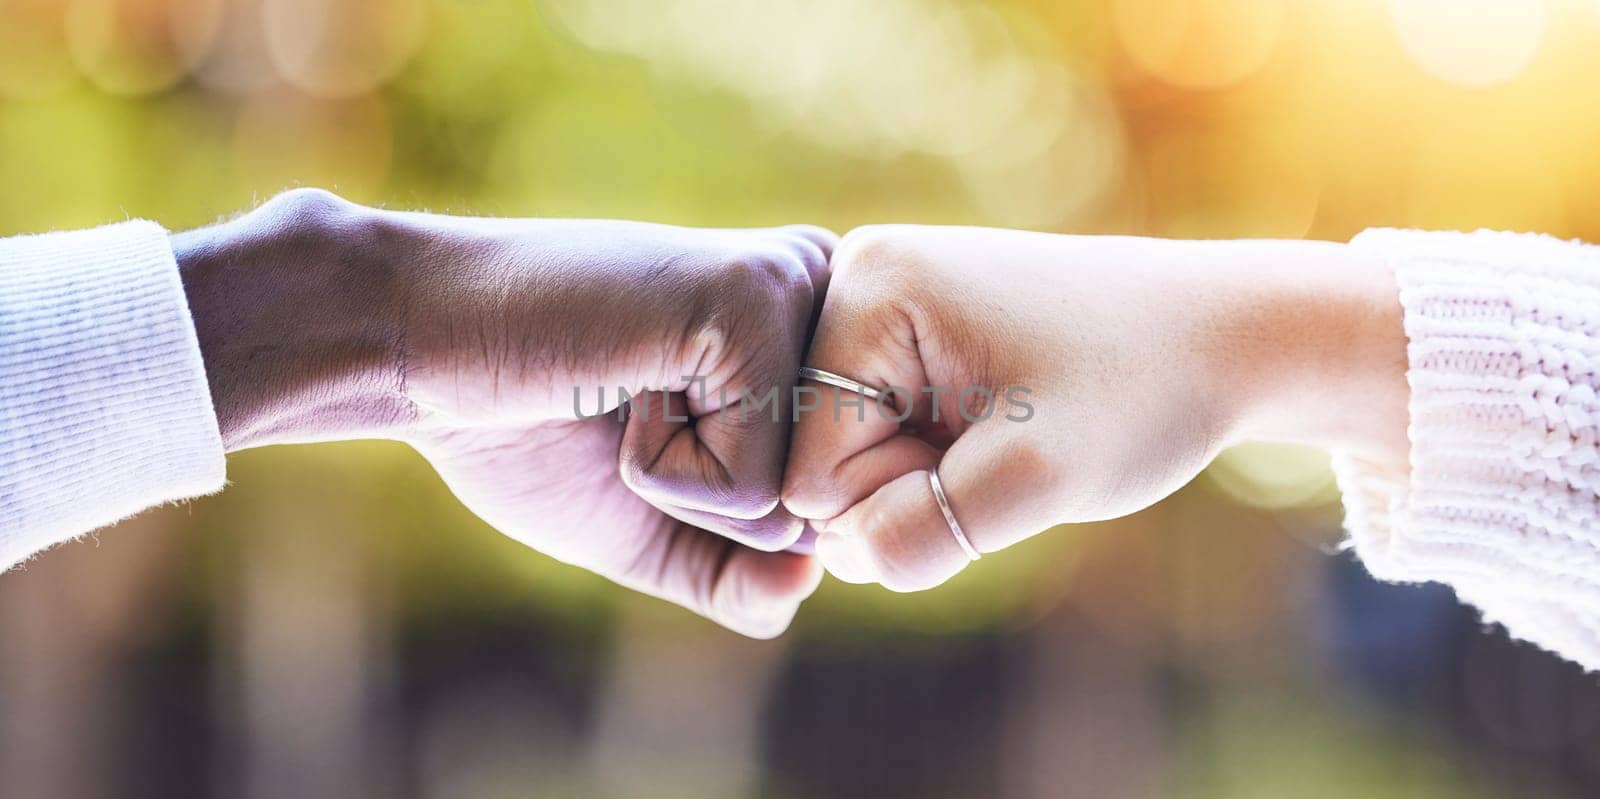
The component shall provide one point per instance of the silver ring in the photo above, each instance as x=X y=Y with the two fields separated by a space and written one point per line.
x=839 y=381
x=950 y=516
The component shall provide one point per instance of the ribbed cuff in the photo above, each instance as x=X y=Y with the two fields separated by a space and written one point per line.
x=104 y=405
x=1501 y=499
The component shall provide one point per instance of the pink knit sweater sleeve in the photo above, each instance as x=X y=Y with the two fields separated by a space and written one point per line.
x=1502 y=502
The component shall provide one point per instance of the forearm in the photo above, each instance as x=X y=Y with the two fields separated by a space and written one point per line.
x=1309 y=337
x=300 y=313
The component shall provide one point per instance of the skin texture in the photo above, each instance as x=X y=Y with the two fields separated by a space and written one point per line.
x=322 y=320
x=1145 y=357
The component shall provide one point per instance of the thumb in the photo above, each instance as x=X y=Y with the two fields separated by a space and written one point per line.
x=1000 y=486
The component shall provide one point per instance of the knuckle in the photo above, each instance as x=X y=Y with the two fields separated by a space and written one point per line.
x=786 y=276
x=755 y=313
x=812 y=258
x=821 y=236
x=758 y=286
x=635 y=474
x=772 y=271
x=875 y=252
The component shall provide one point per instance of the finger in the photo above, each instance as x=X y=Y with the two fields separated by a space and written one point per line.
x=664 y=461
x=824 y=239
x=1000 y=488
x=839 y=454
x=845 y=445
x=743 y=406
x=777 y=531
x=729 y=461
x=806 y=544
x=844 y=558
x=814 y=246
x=839 y=458
x=752 y=593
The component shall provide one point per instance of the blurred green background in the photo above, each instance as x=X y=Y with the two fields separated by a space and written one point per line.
x=335 y=625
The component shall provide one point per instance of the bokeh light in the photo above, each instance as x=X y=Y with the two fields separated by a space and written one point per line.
x=1200 y=44
x=1274 y=475
x=33 y=53
x=1201 y=186
x=237 y=60
x=138 y=46
x=347 y=142
x=1470 y=42
x=339 y=48
x=1033 y=142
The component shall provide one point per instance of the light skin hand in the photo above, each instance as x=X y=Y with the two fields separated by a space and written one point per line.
x=1144 y=358
x=322 y=320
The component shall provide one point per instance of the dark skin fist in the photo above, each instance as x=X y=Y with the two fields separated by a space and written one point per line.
x=472 y=339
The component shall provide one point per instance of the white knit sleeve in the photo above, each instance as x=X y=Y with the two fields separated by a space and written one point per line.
x=1502 y=501
x=104 y=405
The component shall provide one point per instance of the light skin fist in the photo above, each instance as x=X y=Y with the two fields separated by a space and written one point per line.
x=468 y=338
x=1141 y=359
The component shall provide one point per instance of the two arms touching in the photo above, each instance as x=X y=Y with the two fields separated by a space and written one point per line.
x=625 y=397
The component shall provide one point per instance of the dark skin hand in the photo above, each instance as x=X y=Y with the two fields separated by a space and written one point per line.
x=467 y=338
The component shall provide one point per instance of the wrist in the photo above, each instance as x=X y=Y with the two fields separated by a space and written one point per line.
x=299 y=315
x=1315 y=338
